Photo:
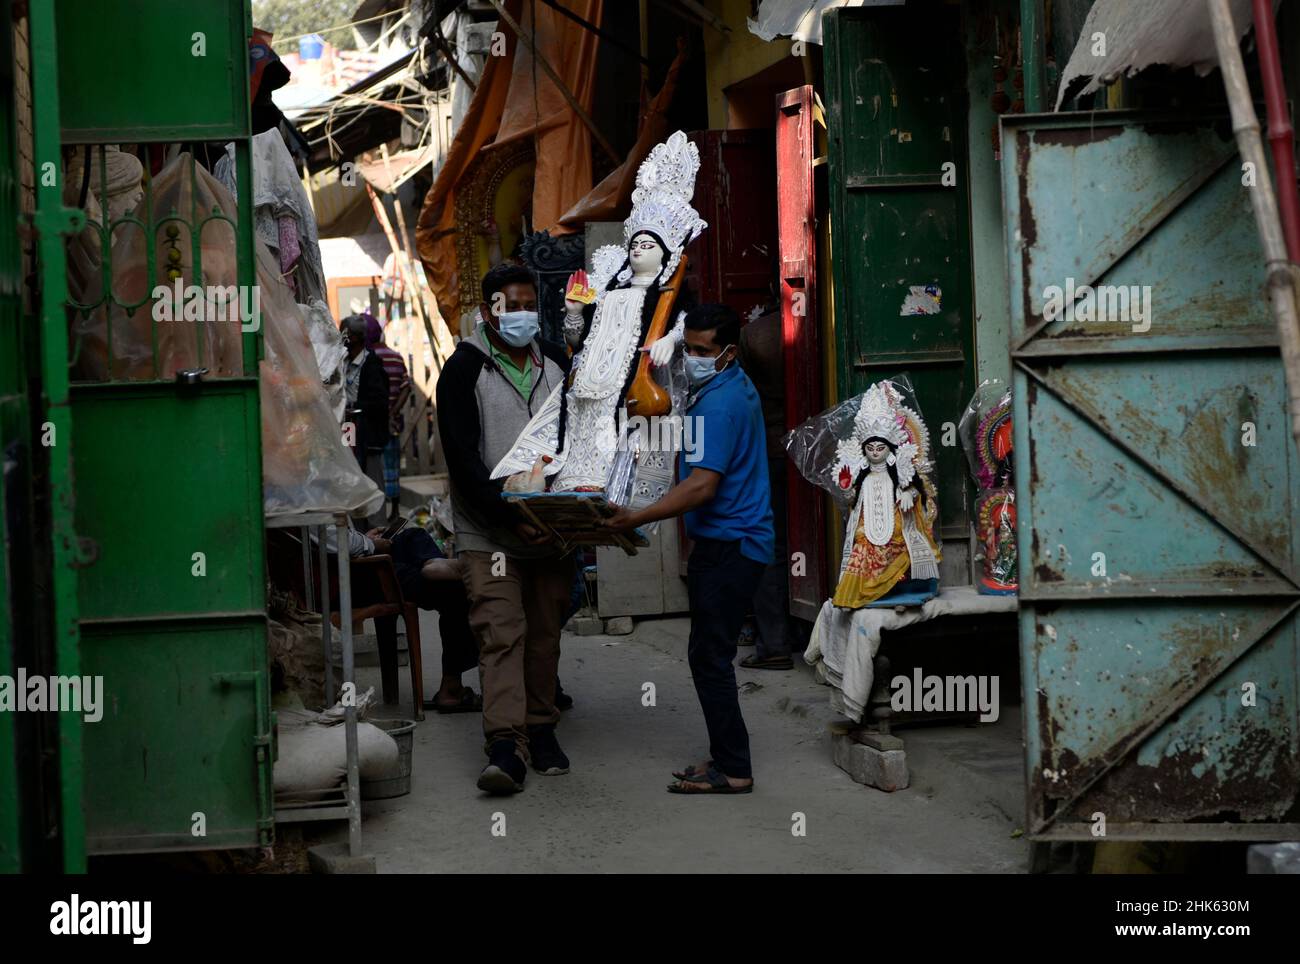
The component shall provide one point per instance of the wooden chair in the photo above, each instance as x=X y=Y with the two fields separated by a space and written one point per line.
x=376 y=594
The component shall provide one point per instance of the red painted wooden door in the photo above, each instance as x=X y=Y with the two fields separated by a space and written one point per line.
x=797 y=233
x=735 y=259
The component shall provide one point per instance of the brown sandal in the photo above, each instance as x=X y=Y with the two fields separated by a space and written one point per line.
x=717 y=783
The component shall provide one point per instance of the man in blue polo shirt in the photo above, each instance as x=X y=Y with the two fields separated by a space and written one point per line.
x=724 y=495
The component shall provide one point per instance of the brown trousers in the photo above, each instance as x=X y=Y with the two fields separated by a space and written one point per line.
x=516 y=610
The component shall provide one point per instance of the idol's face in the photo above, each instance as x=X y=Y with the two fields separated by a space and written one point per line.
x=876 y=452
x=644 y=254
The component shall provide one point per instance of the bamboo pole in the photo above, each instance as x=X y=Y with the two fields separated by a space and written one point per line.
x=382 y=217
x=417 y=304
x=1281 y=280
x=442 y=350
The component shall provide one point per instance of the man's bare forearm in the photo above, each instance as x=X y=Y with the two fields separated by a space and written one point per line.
x=694 y=491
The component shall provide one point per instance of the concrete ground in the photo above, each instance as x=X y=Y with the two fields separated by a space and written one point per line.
x=611 y=812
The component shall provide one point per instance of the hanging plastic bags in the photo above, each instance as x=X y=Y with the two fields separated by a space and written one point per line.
x=305 y=465
x=182 y=199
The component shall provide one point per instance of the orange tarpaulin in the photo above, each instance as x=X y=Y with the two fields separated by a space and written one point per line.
x=505 y=108
x=611 y=199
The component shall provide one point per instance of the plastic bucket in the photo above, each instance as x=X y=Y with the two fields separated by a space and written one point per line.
x=311 y=48
x=402 y=731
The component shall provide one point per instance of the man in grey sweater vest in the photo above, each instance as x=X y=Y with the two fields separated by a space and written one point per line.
x=518 y=585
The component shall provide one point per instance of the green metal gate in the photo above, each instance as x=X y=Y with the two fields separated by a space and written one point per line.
x=41 y=825
x=1158 y=485
x=15 y=412
x=900 y=222
x=168 y=472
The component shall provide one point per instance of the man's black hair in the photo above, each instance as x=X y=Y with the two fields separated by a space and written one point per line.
x=721 y=319
x=505 y=274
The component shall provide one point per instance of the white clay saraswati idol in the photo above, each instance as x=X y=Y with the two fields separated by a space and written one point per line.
x=889 y=538
x=608 y=317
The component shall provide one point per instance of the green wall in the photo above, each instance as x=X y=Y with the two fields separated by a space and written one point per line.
x=988 y=247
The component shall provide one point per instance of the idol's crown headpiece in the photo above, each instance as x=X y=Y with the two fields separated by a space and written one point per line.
x=661 y=202
x=882 y=414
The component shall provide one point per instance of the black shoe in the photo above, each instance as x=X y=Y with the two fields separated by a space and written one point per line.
x=563 y=700
x=505 y=772
x=544 y=748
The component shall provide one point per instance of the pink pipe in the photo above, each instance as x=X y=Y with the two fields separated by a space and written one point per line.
x=1280 y=133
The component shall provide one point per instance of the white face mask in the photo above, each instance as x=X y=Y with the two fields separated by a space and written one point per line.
x=518 y=328
x=699 y=370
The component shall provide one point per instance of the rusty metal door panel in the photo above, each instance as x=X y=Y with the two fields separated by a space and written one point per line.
x=1157 y=486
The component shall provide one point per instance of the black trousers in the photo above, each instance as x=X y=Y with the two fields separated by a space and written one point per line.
x=772 y=600
x=412 y=548
x=720 y=583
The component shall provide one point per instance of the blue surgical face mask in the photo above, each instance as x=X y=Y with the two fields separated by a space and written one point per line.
x=518 y=328
x=699 y=369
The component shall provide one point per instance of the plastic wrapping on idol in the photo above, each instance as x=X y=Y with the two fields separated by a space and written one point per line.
x=644 y=467
x=184 y=199
x=813 y=446
x=331 y=355
x=872 y=452
x=986 y=435
x=995 y=527
x=985 y=430
x=305 y=465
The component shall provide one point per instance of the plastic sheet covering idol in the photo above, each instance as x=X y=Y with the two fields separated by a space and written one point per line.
x=986 y=435
x=646 y=463
x=813 y=446
x=277 y=194
x=331 y=355
x=143 y=337
x=305 y=465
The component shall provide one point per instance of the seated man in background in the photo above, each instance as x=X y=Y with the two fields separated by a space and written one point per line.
x=432 y=582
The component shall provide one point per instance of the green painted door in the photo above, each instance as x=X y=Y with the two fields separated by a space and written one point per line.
x=41 y=827
x=169 y=475
x=15 y=451
x=900 y=226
